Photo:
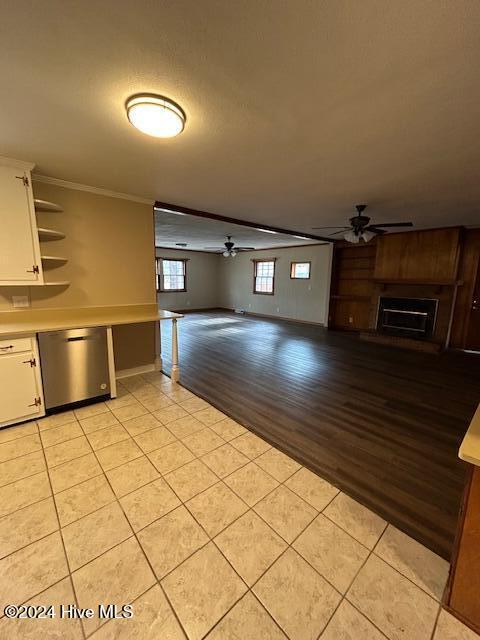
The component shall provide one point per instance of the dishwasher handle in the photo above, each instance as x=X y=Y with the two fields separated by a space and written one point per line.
x=75 y=338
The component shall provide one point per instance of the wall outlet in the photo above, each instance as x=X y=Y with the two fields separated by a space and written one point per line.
x=278 y=309
x=188 y=303
x=350 y=319
x=20 y=302
x=249 y=306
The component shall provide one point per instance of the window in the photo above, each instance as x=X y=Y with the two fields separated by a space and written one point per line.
x=300 y=270
x=263 y=276
x=171 y=274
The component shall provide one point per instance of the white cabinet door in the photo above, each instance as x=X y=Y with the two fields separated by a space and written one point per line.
x=19 y=388
x=20 y=261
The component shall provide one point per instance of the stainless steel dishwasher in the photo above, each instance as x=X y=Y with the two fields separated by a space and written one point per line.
x=74 y=365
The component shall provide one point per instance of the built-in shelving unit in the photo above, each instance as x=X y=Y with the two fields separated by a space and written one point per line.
x=45 y=205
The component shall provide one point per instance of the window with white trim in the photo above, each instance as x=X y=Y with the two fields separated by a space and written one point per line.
x=171 y=274
x=263 y=276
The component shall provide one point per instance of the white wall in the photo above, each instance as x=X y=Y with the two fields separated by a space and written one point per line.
x=305 y=300
x=202 y=281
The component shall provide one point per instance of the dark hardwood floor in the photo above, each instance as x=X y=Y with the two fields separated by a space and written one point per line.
x=383 y=424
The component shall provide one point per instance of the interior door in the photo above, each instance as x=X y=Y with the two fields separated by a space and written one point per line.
x=19 y=387
x=17 y=245
x=473 y=331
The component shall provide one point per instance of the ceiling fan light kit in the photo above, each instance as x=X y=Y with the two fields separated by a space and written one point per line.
x=351 y=236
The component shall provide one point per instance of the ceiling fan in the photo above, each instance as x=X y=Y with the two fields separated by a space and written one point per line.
x=360 y=227
x=230 y=250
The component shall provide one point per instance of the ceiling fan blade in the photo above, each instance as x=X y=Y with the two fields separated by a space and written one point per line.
x=375 y=230
x=335 y=233
x=215 y=248
x=337 y=227
x=244 y=248
x=395 y=224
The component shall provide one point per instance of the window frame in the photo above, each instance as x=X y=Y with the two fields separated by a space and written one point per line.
x=159 y=275
x=255 y=263
x=292 y=265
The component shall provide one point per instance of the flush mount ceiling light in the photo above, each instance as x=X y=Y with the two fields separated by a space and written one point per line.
x=155 y=115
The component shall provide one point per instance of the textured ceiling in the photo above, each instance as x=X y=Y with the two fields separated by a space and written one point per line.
x=200 y=233
x=296 y=110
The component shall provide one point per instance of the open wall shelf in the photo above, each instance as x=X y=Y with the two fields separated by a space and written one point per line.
x=53 y=259
x=49 y=234
x=45 y=205
x=59 y=283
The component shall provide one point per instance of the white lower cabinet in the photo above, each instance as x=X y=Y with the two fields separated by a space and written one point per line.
x=21 y=396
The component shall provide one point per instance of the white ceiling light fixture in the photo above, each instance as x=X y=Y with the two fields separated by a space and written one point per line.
x=351 y=236
x=155 y=115
x=367 y=235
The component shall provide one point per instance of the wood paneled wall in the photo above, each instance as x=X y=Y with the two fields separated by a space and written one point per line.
x=429 y=255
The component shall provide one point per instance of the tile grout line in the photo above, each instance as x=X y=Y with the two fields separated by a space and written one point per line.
x=23 y=477
x=249 y=588
x=435 y=625
x=139 y=545
x=146 y=558
x=210 y=540
x=62 y=539
x=374 y=552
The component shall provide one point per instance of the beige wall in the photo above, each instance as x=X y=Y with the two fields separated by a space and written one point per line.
x=202 y=281
x=305 y=300
x=109 y=244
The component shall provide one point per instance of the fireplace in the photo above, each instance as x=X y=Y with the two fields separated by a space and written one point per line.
x=408 y=317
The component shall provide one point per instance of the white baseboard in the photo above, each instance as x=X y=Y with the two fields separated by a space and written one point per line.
x=144 y=368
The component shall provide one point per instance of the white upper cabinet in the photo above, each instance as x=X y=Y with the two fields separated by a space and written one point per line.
x=20 y=261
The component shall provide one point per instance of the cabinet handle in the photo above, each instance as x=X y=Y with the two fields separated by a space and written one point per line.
x=32 y=362
x=37 y=402
x=10 y=346
x=24 y=179
x=34 y=269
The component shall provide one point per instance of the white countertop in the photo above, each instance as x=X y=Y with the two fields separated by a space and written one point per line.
x=28 y=321
x=470 y=447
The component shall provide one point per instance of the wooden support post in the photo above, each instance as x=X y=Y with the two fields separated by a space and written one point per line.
x=111 y=364
x=175 y=368
x=158 y=347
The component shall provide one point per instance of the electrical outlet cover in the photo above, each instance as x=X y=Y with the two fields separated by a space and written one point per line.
x=20 y=302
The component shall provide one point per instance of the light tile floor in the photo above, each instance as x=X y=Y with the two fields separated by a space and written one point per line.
x=158 y=500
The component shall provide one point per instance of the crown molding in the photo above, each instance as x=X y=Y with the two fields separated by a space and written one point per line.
x=97 y=190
